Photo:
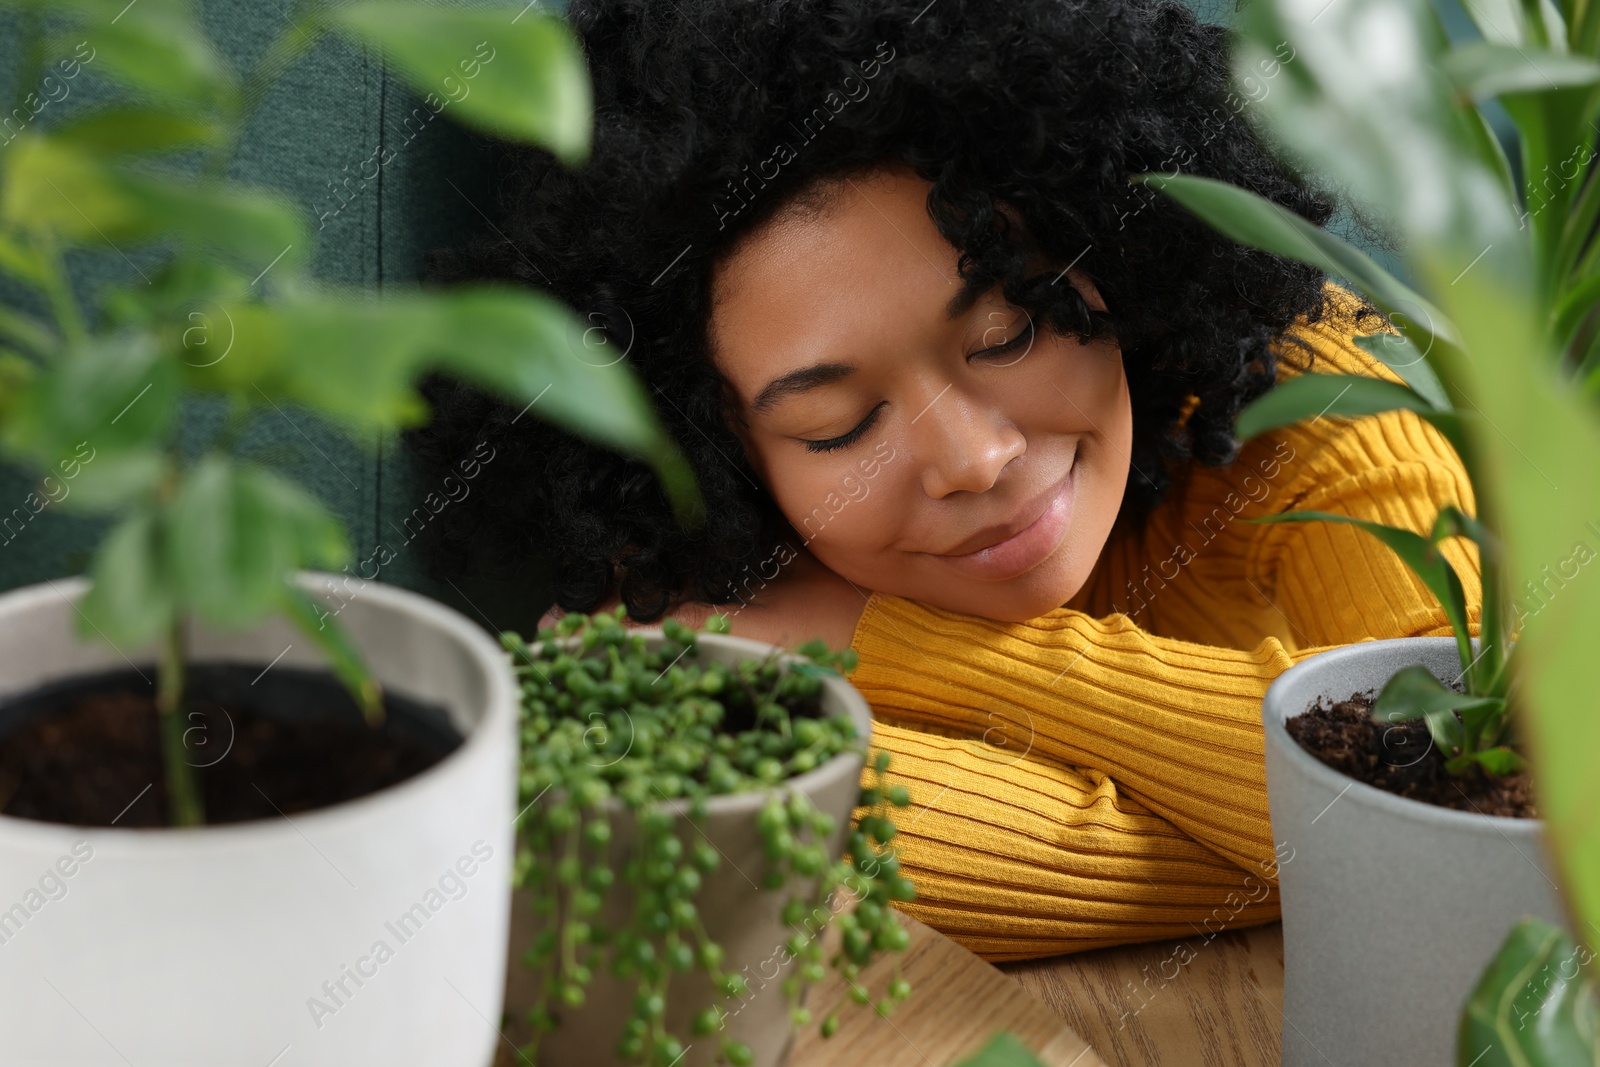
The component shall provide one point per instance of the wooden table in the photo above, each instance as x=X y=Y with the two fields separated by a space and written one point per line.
x=1170 y=1003
x=1163 y=1004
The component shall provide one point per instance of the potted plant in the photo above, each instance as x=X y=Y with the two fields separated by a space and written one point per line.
x=686 y=800
x=336 y=759
x=1394 y=904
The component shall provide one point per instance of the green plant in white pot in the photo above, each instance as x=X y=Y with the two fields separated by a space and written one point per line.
x=1392 y=907
x=336 y=761
x=689 y=831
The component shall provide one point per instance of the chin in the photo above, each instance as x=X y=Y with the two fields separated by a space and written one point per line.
x=1038 y=592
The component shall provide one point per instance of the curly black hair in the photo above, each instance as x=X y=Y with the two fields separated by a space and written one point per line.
x=712 y=115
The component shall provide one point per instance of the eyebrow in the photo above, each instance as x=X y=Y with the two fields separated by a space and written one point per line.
x=820 y=374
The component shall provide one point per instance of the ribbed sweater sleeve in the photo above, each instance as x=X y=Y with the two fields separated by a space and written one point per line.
x=1078 y=781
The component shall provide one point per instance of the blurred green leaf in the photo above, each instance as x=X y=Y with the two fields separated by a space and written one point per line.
x=1480 y=70
x=1399 y=354
x=256 y=225
x=106 y=480
x=52 y=186
x=20 y=261
x=356 y=361
x=1500 y=760
x=25 y=330
x=318 y=623
x=135 y=131
x=115 y=392
x=237 y=533
x=1002 y=1050
x=158 y=49
x=1253 y=220
x=130 y=598
x=520 y=76
x=1310 y=396
x=1534 y=1006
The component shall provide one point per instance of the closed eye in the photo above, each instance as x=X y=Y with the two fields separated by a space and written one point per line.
x=832 y=444
x=1023 y=338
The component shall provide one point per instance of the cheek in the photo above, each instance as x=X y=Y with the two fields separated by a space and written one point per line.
x=832 y=505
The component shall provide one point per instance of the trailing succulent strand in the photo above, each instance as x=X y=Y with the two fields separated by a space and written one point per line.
x=603 y=717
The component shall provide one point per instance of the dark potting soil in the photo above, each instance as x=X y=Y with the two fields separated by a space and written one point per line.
x=1401 y=758
x=266 y=743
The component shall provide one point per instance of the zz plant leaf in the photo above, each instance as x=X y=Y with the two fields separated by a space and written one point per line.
x=1534 y=1006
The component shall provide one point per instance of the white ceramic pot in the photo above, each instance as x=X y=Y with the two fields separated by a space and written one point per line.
x=743 y=918
x=212 y=946
x=1391 y=907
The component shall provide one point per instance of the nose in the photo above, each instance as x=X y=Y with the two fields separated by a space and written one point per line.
x=965 y=441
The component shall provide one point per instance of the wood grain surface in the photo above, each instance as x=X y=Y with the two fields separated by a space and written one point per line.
x=1185 y=1003
x=957 y=1002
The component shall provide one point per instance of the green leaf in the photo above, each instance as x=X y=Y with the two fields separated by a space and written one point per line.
x=1500 y=760
x=317 y=623
x=51 y=187
x=55 y=187
x=256 y=225
x=105 y=481
x=1310 y=396
x=26 y=330
x=1480 y=71
x=113 y=393
x=157 y=48
x=1534 y=1006
x=1416 y=551
x=527 y=346
x=1500 y=21
x=20 y=261
x=1413 y=691
x=1253 y=220
x=135 y=131
x=130 y=598
x=356 y=361
x=1002 y=1050
x=1397 y=352
x=518 y=76
x=237 y=533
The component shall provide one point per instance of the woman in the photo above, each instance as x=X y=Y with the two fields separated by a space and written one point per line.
x=960 y=395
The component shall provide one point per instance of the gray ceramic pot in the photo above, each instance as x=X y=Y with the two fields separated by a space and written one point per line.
x=743 y=918
x=1391 y=907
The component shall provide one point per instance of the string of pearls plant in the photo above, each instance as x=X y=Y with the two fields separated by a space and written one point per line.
x=610 y=718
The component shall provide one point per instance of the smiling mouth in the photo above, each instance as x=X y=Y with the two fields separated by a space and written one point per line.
x=1032 y=513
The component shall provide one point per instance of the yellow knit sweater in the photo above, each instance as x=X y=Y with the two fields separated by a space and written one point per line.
x=1094 y=776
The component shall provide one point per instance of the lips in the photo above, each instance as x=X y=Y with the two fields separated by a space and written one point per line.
x=1015 y=555
x=990 y=536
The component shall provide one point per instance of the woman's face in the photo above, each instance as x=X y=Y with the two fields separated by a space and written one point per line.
x=904 y=445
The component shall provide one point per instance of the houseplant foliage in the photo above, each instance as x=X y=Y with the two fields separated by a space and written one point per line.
x=229 y=316
x=1506 y=310
x=1534 y=1006
x=603 y=717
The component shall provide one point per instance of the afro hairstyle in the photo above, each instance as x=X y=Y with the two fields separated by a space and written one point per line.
x=711 y=116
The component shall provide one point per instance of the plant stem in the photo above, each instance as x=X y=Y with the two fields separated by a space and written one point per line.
x=183 y=793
